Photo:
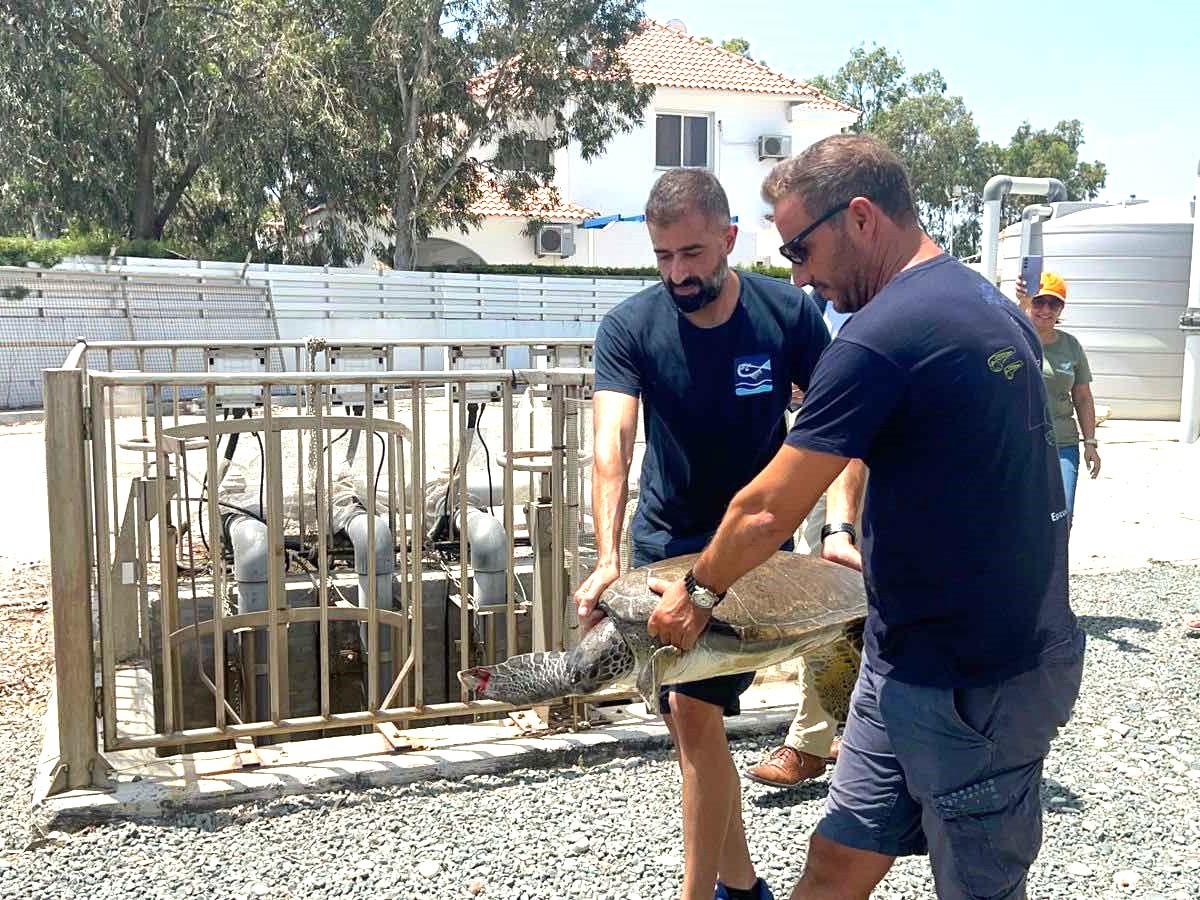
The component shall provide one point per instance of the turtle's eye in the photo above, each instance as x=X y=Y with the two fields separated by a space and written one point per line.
x=593 y=671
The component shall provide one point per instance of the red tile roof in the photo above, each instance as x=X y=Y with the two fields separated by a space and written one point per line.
x=541 y=204
x=662 y=56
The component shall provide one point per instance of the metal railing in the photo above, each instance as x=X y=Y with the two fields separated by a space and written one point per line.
x=144 y=510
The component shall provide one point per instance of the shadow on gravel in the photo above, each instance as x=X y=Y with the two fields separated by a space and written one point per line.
x=1101 y=628
x=782 y=798
x=1058 y=798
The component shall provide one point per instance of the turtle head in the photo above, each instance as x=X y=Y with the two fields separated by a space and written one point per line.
x=600 y=659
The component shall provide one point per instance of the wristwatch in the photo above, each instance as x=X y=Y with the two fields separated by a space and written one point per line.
x=827 y=530
x=1091 y=442
x=702 y=597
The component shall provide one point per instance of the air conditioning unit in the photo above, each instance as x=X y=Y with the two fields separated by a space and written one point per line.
x=554 y=240
x=774 y=146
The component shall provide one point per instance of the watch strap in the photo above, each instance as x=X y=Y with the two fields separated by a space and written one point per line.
x=848 y=527
x=689 y=582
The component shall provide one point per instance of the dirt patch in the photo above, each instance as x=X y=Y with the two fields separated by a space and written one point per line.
x=27 y=664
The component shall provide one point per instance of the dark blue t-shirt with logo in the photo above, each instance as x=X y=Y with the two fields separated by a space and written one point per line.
x=713 y=399
x=936 y=384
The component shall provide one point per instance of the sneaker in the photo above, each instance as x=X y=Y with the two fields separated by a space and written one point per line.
x=761 y=891
x=787 y=767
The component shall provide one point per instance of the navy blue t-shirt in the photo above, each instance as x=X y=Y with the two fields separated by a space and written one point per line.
x=713 y=399
x=936 y=384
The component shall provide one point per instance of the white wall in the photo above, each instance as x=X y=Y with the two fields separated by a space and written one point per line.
x=620 y=180
x=621 y=244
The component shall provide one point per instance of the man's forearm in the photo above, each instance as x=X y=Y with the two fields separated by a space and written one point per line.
x=609 y=495
x=843 y=500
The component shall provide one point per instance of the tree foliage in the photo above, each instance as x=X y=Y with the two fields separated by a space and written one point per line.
x=934 y=132
x=215 y=124
x=446 y=92
x=112 y=109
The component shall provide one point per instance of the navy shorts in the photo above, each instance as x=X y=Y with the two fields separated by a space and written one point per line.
x=954 y=773
x=724 y=691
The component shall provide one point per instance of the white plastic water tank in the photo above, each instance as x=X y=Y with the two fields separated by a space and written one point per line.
x=1126 y=267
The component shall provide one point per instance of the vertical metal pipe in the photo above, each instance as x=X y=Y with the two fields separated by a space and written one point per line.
x=276 y=589
x=168 y=599
x=418 y=538
x=214 y=551
x=402 y=532
x=557 y=513
x=464 y=611
x=101 y=475
x=510 y=618
x=322 y=524
x=372 y=598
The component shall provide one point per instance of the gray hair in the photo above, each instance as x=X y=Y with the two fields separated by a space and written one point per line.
x=682 y=191
x=834 y=171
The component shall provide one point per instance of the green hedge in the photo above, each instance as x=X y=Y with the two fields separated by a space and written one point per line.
x=16 y=251
x=588 y=271
x=20 y=251
x=533 y=269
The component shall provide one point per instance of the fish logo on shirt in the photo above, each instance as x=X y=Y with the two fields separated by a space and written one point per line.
x=752 y=375
x=1002 y=362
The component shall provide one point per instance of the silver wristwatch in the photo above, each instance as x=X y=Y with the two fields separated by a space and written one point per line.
x=701 y=597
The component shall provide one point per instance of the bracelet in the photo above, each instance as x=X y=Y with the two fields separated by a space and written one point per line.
x=827 y=530
x=1091 y=442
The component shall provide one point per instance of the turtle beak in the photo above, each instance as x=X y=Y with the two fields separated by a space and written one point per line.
x=475 y=679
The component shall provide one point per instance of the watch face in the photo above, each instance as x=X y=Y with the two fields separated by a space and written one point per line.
x=703 y=598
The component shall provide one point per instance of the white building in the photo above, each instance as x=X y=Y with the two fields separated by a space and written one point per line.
x=712 y=109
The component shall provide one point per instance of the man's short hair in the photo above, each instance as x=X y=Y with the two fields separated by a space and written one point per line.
x=682 y=191
x=834 y=171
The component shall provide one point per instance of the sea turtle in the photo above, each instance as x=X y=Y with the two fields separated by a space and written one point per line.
x=792 y=605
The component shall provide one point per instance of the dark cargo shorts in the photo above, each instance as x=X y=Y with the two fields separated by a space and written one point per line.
x=724 y=691
x=952 y=773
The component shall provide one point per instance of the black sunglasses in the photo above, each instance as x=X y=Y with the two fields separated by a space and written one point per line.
x=1052 y=302
x=794 y=251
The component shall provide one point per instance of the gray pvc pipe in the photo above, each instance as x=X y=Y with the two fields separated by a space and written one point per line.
x=489 y=559
x=385 y=557
x=250 y=561
x=994 y=192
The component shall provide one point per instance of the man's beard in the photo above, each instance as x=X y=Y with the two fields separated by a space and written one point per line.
x=707 y=290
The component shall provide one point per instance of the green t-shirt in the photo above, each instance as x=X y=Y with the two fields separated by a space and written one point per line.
x=1064 y=365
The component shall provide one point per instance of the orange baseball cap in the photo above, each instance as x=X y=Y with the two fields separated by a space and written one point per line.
x=1052 y=285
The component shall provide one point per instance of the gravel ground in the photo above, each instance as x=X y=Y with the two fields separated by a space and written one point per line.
x=1122 y=799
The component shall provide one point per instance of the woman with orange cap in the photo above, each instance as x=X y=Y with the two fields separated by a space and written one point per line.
x=1068 y=380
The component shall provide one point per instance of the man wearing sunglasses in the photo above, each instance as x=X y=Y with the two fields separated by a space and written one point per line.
x=711 y=355
x=972 y=657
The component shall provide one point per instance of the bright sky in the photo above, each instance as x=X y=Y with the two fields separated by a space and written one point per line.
x=1129 y=71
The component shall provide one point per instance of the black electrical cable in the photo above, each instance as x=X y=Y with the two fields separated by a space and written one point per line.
x=262 y=472
x=382 y=457
x=345 y=432
x=487 y=457
x=230 y=447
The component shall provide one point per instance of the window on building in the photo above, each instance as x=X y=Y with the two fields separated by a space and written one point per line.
x=531 y=154
x=682 y=140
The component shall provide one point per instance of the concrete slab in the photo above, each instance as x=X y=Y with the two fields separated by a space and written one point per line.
x=147 y=787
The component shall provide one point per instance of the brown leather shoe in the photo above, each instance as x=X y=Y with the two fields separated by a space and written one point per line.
x=835 y=747
x=787 y=767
